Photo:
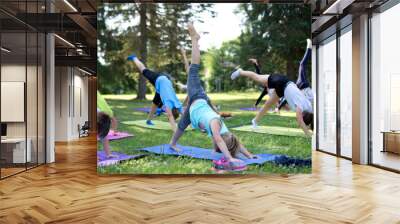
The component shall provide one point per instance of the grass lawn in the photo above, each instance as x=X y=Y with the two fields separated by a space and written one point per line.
x=123 y=106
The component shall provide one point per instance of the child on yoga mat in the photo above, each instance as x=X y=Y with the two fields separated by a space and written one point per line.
x=201 y=114
x=280 y=86
x=103 y=127
x=103 y=106
x=165 y=93
x=106 y=121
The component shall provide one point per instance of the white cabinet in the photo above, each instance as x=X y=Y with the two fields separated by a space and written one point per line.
x=18 y=153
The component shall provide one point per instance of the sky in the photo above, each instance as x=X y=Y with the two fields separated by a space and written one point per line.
x=224 y=27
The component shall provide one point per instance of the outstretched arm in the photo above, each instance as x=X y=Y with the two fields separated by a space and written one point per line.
x=219 y=142
x=300 y=121
x=151 y=113
x=185 y=60
x=246 y=152
x=256 y=65
x=264 y=92
x=171 y=118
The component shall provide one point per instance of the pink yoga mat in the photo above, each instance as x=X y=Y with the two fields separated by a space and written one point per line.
x=117 y=135
x=102 y=160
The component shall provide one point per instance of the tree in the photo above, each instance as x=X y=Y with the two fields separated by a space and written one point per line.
x=159 y=30
x=143 y=49
x=280 y=31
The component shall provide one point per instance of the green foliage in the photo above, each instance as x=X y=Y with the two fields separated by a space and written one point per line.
x=274 y=34
x=165 y=33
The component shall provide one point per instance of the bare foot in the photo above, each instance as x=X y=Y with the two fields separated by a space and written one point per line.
x=192 y=31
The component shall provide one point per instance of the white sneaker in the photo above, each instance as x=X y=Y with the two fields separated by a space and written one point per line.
x=254 y=124
x=236 y=74
x=309 y=44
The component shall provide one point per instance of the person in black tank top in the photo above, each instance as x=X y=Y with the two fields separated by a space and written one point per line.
x=279 y=83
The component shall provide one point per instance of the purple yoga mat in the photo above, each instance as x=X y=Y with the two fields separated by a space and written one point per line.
x=143 y=109
x=147 y=110
x=249 y=109
x=103 y=161
x=117 y=135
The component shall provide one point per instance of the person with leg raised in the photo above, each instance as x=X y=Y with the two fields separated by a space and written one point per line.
x=202 y=116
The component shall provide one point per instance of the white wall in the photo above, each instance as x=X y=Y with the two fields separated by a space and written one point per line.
x=71 y=94
x=14 y=73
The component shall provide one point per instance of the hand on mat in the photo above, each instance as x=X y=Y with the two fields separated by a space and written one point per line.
x=149 y=122
x=113 y=133
x=234 y=160
x=254 y=157
x=174 y=147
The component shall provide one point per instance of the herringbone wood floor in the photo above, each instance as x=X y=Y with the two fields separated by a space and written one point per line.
x=70 y=191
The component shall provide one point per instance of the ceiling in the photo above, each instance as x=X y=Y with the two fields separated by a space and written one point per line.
x=73 y=21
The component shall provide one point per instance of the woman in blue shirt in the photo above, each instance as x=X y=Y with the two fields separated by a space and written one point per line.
x=165 y=93
x=201 y=114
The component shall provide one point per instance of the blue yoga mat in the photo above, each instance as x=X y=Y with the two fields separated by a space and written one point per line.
x=200 y=153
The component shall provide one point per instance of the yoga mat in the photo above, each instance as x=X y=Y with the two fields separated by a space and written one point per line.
x=200 y=153
x=158 y=125
x=249 y=109
x=117 y=135
x=147 y=110
x=103 y=161
x=272 y=130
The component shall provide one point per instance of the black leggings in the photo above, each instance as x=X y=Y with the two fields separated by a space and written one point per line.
x=151 y=76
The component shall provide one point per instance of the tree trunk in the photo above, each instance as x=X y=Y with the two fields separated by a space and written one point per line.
x=141 y=95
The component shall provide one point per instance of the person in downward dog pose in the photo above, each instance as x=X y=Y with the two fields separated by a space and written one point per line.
x=202 y=116
x=103 y=127
x=280 y=86
x=103 y=106
x=302 y=82
x=106 y=123
x=165 y=93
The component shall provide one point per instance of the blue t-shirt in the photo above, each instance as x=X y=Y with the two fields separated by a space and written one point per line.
x=202 y=113
x=167 y=93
